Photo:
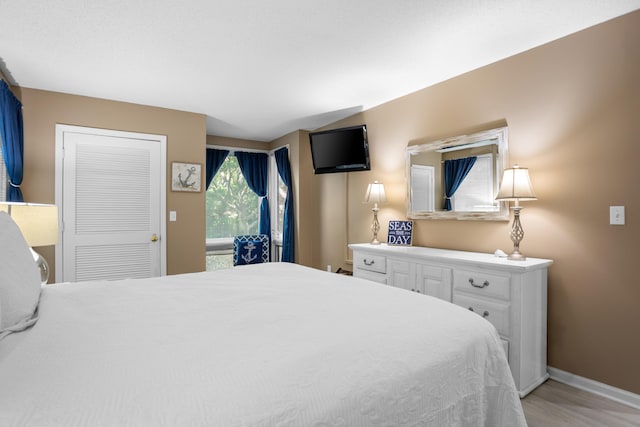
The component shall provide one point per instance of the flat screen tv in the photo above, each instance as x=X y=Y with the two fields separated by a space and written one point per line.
x=340 y=150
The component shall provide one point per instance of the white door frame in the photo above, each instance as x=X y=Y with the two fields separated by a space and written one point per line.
x=59 y=174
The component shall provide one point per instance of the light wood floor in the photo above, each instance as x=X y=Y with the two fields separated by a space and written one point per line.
x=554 y=404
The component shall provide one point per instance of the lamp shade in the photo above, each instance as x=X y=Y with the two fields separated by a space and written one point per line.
x=516 y=185
x=375 y=193
x=37 y=222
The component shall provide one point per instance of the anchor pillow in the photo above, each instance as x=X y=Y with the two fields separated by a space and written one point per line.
x=250 y=249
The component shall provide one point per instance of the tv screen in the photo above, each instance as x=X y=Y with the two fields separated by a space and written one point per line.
x=340 y=150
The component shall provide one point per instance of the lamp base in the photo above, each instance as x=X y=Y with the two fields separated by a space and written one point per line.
x=516 y=234
x=43 y=266
x=517 y=256
x=375 y=226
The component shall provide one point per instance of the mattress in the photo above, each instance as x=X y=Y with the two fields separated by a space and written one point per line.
x=273 y=344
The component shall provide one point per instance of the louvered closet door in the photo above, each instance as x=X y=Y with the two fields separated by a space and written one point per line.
x=111 y=207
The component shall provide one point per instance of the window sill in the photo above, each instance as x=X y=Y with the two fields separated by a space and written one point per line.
x=219 y=244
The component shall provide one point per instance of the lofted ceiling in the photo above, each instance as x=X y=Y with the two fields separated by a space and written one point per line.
x=260 y=69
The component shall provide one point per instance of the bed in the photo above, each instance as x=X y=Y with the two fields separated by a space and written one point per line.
x=273 y=344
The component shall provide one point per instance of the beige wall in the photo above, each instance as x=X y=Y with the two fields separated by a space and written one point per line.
x=222 y=141
x=573 y=111
x=186 y=138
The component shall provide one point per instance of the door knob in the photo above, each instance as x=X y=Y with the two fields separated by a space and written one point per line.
x=154 y=238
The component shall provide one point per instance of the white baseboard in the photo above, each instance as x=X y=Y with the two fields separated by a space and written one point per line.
x=595 y=387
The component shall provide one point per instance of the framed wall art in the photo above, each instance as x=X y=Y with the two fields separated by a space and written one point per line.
x=186 y=177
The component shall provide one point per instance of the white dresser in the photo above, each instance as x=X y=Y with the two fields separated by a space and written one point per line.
x=512 y=295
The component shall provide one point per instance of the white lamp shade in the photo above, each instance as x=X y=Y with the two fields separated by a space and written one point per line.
x=37 y=222
x=375 y=193
x=516 y=185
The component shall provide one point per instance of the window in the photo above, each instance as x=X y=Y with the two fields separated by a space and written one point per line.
x=277 y=197
x=232 y=208
x=476 y=193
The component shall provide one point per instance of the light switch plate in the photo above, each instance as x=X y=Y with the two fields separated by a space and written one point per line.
x=616 y=215
x=172 y=215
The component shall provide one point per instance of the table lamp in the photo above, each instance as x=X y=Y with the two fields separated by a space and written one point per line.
x=39 y=226
x=516 y=186
x=375 y=194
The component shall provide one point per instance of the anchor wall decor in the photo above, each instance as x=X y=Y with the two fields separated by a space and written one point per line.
x=186 y=177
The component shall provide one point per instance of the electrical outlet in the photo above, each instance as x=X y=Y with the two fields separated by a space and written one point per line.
x=616 y=215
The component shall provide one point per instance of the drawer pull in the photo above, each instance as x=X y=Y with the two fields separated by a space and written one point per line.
x=373 y=261
x=484 y=284
x=485 y=314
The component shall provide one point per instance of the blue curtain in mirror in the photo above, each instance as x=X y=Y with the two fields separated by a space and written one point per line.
x=215 y=158
x=284 y=170
x=255 y=169
x=455 y=171
x=11 y=133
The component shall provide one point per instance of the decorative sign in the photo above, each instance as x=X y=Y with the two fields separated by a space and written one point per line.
x=400 y=233
x=185 y=177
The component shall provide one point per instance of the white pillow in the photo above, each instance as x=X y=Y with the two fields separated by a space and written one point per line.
x=19 y=279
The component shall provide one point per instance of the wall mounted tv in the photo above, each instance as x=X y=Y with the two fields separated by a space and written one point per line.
x=340 y=150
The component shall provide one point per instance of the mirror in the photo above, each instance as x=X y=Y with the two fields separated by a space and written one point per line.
x=469 y=166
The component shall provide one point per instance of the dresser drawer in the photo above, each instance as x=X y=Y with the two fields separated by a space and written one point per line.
x=371 y=275
x=482 y=283
x=495 y=312
x=364 y=261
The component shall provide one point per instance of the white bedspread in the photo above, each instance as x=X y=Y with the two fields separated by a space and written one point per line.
x=262 y=345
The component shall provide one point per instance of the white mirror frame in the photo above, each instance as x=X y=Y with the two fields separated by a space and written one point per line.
x=502 y=162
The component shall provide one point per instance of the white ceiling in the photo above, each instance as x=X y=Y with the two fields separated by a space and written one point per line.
x=260 y=69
